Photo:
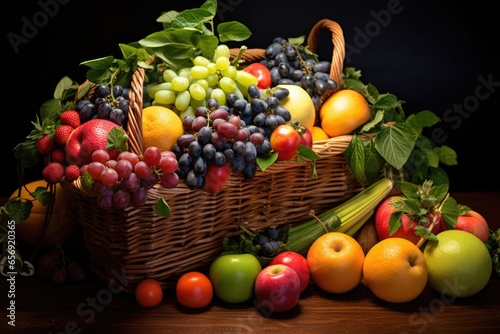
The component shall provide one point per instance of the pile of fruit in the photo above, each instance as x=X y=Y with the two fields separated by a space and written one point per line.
x=207 y=116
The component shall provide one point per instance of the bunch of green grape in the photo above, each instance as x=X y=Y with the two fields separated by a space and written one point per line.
x=186 y=89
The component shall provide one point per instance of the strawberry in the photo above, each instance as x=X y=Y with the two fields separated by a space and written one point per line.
x=72 y=173
x=45 y=145
x=58 y=155
x=62 y=133
x=53 y=172
x=71 y=118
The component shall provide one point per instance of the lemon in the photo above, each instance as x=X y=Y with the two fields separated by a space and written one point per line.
x=300 y=105
x=161 y=127
x=458 y=263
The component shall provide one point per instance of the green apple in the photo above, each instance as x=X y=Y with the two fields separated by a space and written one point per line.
x=233 y=276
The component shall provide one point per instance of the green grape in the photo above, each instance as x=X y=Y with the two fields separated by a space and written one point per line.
x=197 y=91
x=238 y=92
x=203 y=83
x=219 y=95
x=200 y=61
x=168 y=75
x=222 y=63
x=165 y=96
x=199 y=72
x=229 y=72
x=153 y=89
x=201 y=103
x=246 y=79
x=188 y=112
x=182 y=100
x=227 y=85
x=186 y=73
x=180 y=83
x=212 y=68
x=213 y=80
x=221 y=50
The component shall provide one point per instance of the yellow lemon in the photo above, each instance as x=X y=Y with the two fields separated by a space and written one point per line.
x=300 y=105
x=160 y=127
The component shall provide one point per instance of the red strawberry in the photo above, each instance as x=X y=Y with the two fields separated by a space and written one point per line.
x=58 y=155
x=71 y=118
x=53 y=172
x=72 y=173
x=62 y=133
x=45 y=145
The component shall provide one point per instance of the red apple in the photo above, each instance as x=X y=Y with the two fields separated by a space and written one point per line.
x=87 y=138
x=277 y=288
x=474 y=223
x=297 y=262
x=407 y=228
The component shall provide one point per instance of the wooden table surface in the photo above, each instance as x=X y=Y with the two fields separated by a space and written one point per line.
x=92 y=307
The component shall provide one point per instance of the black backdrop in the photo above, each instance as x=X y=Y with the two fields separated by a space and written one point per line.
x=431 y=54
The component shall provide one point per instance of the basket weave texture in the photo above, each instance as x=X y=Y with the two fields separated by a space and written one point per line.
x=135 y=243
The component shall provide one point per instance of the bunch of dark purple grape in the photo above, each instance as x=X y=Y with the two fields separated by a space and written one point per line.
x=107 y=102
x=289 y=65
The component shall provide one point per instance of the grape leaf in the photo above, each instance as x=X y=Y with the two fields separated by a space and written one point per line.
x=395 y=143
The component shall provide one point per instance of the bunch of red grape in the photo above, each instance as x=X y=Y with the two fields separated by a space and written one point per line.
x=56 y=267
x=126 y=180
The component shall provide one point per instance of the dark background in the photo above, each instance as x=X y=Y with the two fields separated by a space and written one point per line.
x=434 y=55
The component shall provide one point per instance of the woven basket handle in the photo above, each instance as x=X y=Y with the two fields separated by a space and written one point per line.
x=338 y=54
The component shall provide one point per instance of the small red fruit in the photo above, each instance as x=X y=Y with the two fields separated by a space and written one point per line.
x=62 y=134
x=262 y=73
x=72 y=173
x=71 y=118
x=285 y=141
x=216 y=177
x=45 y=145
x=58 y=155
x=53 y=172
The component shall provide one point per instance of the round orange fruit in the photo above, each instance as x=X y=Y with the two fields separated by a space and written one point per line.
x=395 y=270
x=161 y=127
x=343 y=112
x=63 y=221
x=319 y=134
x=336 y=262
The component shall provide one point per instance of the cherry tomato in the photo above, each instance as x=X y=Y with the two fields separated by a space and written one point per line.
x=285 y=141
x=149 y=293
x=194 y=290
x=262 y=73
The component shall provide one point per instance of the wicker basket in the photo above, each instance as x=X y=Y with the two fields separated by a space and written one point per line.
x=136 y=244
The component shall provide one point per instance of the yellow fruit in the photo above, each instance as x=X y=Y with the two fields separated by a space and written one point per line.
x=343 y=112
x=319 y=134
x=300 y=105
x=459 y=263
x=395 y=270
x=160 y=127
x=336 y=262
x=63 y=221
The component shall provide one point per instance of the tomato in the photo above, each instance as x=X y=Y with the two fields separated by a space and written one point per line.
x=194 y=290
x=149 y=293
x=233 y=276
x=216 y=177
x=262 y=73
x=285 y=141
x=306 y=138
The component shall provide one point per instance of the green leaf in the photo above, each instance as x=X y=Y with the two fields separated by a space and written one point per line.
x=395 y=143
x=387 y=101
x=439 y=192
x=162 y=208
x=447 y=155
x=265 y=162
x=62 y=85
x=117 y=139
x=167 y=18
x=43 y=196
x=355 y=155
x=87 y=181
x=49 y=112
x=101 y=64
x=438 y=176
x=191 y=18
x=395 y=222
x=233 y=31
x=449 y=213
x=307 y=153
x=422 y=119
x=18 y=209
x=377 y=119
x=207 y=45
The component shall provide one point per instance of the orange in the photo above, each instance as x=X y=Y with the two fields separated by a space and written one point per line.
x=319 y=134
x=343 y=112
x=160 y=127
x=395 y=270
x=300 y=105
x=459 y=263
x=194 y=290
x=63 y=221
x=336 y=262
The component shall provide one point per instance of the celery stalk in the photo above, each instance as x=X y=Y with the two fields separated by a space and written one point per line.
x=341 y=218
